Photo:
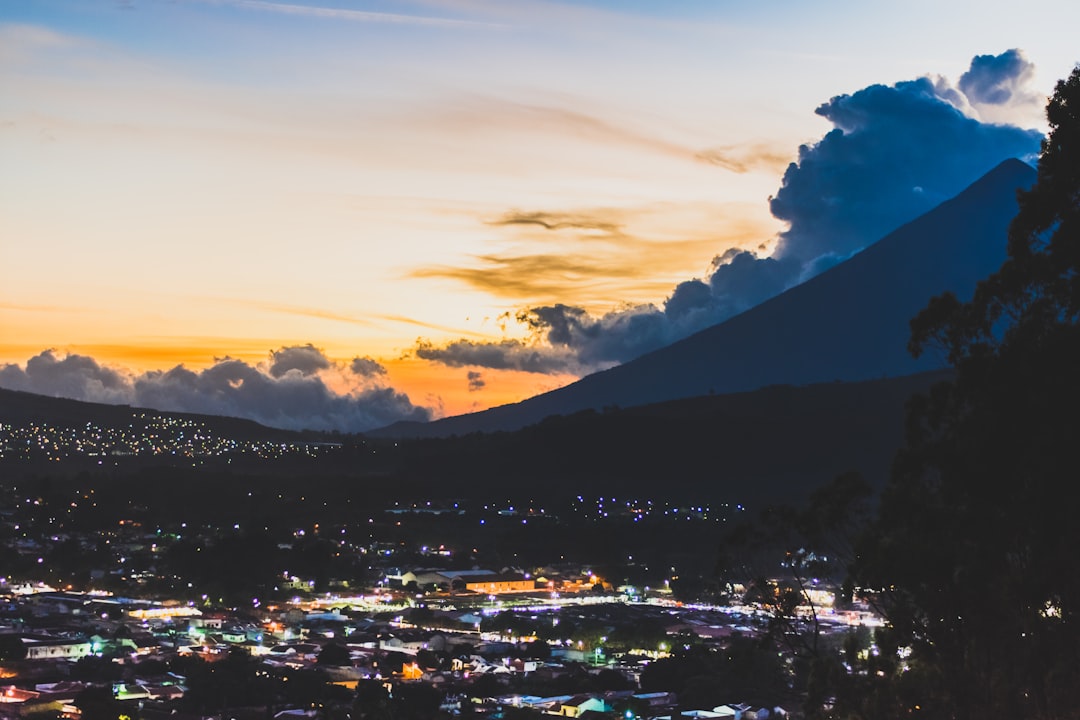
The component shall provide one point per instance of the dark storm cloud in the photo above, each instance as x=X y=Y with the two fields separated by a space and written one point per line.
x=504 y=355
x=293 y=400
x=895 y=152
x=996 y=79
x=598 y=342
x=296 y=397
x=366 y=367
x=72 y=376
x=476 y=380
x=303 y=359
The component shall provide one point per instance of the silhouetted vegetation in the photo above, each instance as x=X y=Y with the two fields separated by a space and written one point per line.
x=973 y=555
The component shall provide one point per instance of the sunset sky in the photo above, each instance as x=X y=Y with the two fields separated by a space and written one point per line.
x=381 y=210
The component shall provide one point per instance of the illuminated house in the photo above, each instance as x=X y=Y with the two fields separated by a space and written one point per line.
x=495 y=584
x=42 y=648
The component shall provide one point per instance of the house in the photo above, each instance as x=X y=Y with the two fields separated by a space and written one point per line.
x=48 y=648
x=578 y=704
x=12 y=694
x=656 y=700
x=493 y=584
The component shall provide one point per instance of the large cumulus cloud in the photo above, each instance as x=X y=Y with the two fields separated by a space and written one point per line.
x=289 y=391
x=71 y=376
x=895 y=152
x=996 y=87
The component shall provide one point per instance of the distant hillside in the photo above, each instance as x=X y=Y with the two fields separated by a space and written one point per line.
x=20 y=408
x=772 y=444
x=849 y=323
x=769 y=445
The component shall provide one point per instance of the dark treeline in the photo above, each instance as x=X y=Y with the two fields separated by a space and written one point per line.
x=970 y=553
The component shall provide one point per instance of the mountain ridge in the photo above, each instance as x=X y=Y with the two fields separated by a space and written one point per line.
x=805 y=334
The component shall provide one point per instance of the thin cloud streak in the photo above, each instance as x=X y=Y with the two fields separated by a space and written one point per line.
x=589 y=256
x=365 y=16
x=503 y=114
x=744 y=159
x=367 y=321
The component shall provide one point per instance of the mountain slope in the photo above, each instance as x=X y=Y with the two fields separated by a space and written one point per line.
x=773 y=444
x=849 y=323
x=22 y=408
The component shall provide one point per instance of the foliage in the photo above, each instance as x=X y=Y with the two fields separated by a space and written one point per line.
x=748 y=670
x=786 y=553
x=974 y=552
x=12 y=647
x=334 y=654
x=372 y=701
x=416 y=701
x=98 y=703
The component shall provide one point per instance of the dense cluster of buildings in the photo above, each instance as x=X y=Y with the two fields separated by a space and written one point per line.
x=53 y=645
x=116 y=607
x=146 y=435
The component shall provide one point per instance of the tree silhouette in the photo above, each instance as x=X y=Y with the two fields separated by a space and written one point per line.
x=334 y=654
x=974 y=550
x=12 y=647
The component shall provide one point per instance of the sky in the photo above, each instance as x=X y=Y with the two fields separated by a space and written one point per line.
x=336 y=214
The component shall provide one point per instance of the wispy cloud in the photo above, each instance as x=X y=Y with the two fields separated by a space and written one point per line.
x=370 y=320
x=468 y=113
x=595 y=256
x=557 y=221
x=539 y=275
x=364 y=16
x=742 y=159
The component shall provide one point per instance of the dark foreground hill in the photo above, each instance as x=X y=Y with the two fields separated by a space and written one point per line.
x=776 y=443
x=849 y=323
x=770 y=445
x=21 y=408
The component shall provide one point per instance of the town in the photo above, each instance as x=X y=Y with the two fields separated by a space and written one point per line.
x=122 y=597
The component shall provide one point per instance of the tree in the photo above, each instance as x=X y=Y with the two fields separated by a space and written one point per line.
x=12 y=647
x=973 y=553
x=334 y=654
x=98 y=703
x=785 y=557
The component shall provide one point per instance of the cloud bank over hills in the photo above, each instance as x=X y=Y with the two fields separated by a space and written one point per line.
x=291 y=390
x=895 y=152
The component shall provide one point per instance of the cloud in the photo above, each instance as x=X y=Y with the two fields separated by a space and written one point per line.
x=72 y=376
x=997 y=79
x=476 y=380
x=895 y=152
x=501 y=115
x=306 y=360
x=502 y=355
x=590 y=255
x=540 y=274
x=559 y=221
x=289 y=392
x=366 y=367
x=367 y=320
x=365 y=16
x=743 y=159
